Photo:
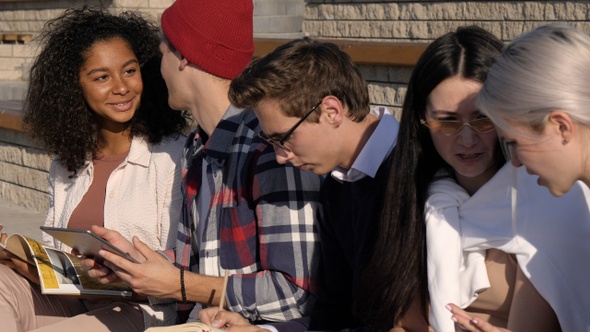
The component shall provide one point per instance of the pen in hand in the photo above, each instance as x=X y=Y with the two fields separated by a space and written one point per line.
x=223 y=291
x=215 y=323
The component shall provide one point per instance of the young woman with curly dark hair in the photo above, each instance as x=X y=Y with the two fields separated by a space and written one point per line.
x=56 y=110
x=97 y=102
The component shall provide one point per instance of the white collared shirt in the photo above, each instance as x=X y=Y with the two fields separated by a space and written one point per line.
x=377 y=148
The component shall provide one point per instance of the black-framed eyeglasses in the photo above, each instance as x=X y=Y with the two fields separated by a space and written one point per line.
x=280 y=142
x=507 y=148
x=452 y=127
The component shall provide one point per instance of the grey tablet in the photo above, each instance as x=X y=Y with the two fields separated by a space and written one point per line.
x=85 y=242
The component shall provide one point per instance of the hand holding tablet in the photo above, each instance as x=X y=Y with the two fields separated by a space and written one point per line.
x=85 y=242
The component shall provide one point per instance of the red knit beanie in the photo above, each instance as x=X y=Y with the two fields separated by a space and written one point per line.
x=215 y=35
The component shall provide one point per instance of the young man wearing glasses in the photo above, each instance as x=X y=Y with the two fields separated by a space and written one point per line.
x=243 y=212
x=313 y=107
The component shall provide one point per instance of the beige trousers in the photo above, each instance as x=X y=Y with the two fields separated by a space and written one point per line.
x=24 y=308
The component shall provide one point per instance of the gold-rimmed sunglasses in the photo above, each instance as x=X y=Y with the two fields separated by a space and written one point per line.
x=452 y=127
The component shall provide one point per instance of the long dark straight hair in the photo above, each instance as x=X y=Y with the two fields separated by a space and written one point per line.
x=396 y=274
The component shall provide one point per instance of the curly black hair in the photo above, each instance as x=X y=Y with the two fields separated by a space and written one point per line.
x=55 y=111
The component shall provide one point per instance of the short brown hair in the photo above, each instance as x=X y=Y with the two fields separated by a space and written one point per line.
x=298 y=75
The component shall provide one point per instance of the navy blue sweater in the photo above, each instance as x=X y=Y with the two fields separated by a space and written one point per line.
x=348 y=232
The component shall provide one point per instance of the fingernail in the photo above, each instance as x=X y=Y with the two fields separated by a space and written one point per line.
x=216 y=323
x=448 y=307
x=475 y=321
x=454 y=319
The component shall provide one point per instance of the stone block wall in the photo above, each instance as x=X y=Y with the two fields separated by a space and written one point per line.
x=411 y=21
x=423 y=21
x=15 y=62
x=23 y=171
x=28 y=17
x=387 y=85
x=13 y=59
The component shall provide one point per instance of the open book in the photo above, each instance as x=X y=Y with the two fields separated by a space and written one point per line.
x=60 y=272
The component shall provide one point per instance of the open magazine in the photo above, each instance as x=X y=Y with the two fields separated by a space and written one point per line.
x=60 y=272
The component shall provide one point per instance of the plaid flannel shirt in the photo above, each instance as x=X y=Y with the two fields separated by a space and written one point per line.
x=261 y=223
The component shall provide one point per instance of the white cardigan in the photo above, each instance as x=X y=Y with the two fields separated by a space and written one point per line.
x=550 y=239
x=143 y=198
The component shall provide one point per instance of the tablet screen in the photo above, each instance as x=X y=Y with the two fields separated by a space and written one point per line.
x=85 y=242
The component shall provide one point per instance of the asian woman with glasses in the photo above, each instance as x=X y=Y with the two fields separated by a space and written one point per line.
x=447 y=234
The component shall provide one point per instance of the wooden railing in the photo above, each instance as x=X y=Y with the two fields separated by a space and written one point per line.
x=362 y=52
x=10 y=115
x=15 y=38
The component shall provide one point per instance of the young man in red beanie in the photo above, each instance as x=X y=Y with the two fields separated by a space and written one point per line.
x=244 y=213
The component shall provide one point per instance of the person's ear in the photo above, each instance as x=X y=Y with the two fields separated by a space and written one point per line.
x=183 y=63
x=563 y=124
x=332 y=110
